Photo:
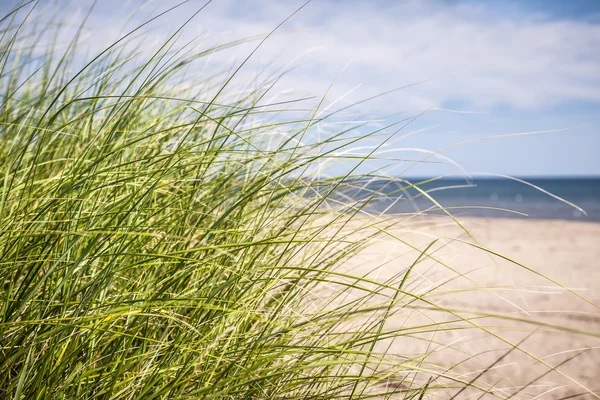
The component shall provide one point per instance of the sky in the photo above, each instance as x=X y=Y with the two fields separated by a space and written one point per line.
x=477 y=69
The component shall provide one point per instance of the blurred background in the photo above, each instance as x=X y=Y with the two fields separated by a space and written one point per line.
x=492 y=87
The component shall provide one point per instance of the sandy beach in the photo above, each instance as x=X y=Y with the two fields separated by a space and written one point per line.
x=555 y=327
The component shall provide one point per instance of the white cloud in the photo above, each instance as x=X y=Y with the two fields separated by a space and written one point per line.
x=525 y=61
x=478 y=57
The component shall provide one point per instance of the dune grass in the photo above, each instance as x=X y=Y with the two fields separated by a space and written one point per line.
x=159 y=243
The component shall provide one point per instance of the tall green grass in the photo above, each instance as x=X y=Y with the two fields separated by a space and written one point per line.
x=160 y=243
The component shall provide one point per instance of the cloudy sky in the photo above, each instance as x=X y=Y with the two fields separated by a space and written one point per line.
x=481 y=68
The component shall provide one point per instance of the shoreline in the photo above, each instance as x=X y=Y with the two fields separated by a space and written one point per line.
x=487 y=217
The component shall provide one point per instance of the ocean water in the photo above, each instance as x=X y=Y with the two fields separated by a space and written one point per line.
x=483 y=197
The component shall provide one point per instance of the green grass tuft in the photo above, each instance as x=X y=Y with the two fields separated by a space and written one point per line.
x=157 y=242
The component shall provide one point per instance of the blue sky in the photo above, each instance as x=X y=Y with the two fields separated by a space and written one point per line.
x=492 y=68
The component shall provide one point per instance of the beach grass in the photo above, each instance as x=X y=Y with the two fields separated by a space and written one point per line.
x=163 y=237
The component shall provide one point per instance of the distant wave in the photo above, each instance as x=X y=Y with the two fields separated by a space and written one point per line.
x=482 y=197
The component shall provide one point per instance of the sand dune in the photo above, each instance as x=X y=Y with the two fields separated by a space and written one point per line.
x=566 y=335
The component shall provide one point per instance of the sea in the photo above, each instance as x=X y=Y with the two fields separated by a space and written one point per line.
x=566 y=198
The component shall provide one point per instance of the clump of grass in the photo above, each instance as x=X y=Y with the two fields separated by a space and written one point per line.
x=157 y=242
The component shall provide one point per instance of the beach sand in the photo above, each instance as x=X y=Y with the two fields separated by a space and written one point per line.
x=555 y=328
